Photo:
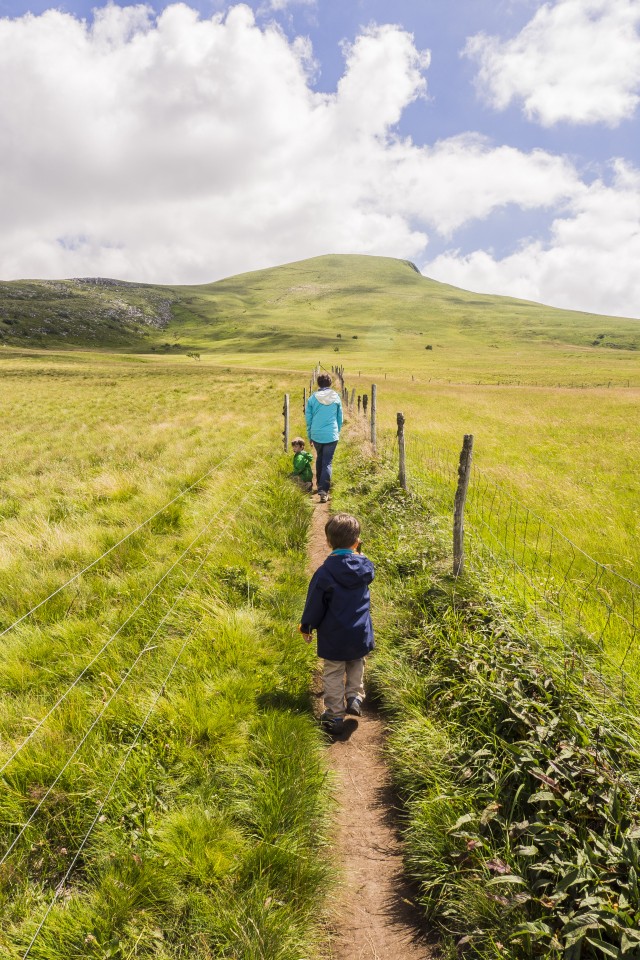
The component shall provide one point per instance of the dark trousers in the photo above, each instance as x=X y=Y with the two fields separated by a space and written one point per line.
x=324 y=460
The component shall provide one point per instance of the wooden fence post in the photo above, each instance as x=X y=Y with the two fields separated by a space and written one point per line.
x=353 y=400
x=304 y=399
x=285 y=414
x=402 y=470
x=464 y=473
x=359 y=402
x=374 y=411
x=365 y=403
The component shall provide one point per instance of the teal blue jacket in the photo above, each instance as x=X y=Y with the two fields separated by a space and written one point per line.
x=324 y=416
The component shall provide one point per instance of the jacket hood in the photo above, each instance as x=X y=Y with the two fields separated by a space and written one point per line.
x=327 y=396
x=350 y=569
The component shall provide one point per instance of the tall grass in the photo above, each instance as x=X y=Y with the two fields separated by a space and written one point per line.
x=585 y=604
x=520 y=788
x=190 y=822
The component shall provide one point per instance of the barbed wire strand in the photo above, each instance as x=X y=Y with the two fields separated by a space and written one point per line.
x=124 y=539
x=103 y=710
x=111 y=639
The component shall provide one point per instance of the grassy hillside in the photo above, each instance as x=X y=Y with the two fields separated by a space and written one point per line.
x=90 y=312
x=374 y=313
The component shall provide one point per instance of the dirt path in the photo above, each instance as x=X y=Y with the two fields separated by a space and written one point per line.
x=374 y=919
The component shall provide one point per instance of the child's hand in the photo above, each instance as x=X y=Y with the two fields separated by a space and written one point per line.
x=307 y=637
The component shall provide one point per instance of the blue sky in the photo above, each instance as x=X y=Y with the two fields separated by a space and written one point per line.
x=497 y=147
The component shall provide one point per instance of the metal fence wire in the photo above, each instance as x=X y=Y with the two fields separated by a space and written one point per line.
x=588 y=612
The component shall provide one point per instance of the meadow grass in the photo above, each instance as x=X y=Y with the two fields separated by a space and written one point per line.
x=555 y=478
x=209 y=850
x=179 y=782
x=519 y=786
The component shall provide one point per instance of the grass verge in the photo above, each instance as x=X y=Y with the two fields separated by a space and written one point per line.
x=520 y=793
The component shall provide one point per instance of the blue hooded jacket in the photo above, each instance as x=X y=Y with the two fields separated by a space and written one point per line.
x=338 y=607
x=324 y=416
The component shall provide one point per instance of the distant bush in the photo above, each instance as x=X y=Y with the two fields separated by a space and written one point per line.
x=339 y=336
x=193 y=355
x=355 y=336
x=429 y=346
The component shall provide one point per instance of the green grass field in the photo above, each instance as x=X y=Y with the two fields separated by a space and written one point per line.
x=206 y=783
x=162 y=786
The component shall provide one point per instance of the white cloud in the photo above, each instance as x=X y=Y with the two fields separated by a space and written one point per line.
x=590 y=262
x=576 y=61
x=180 y=149
x=464 y=178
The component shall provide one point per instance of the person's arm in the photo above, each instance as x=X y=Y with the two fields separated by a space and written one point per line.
x=315 y=607
x=339 y=415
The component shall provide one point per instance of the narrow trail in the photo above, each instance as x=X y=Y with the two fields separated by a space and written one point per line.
x=373 y=918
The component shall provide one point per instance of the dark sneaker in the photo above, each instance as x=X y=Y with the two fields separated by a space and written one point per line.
x=354 y=706
x=331 y=724
x=324 y=496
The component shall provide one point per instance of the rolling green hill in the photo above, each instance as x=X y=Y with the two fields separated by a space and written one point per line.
x=89 y=312
x=375 y=312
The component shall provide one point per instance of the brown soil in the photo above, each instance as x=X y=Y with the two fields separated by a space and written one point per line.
x=374 y=918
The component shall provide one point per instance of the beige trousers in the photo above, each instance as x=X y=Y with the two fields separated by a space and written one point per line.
x=342 y=679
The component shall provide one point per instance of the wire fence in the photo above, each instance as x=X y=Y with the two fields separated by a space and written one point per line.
x=585 y=610
x=581 y=612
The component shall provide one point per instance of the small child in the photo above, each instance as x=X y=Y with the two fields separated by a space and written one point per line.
x=302 y=461
x=338 y=608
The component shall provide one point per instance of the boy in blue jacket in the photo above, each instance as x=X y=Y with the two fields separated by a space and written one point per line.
x=338 y=607
x=323 y=414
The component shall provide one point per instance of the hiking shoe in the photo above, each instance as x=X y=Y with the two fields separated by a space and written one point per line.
x=354 y=706
x=333 y=725
x=324 y=496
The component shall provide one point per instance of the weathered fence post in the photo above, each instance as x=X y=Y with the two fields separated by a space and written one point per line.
x=359 y=402
x=285 y=414
x=402 y=460
x=304 y=399
x=374 y=411
x=365 y=403
x=353 y=399
x=464 y=473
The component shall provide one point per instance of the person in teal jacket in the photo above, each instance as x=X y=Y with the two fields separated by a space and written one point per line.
x=324 y=422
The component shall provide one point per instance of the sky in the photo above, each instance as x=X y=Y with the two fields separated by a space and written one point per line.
x=494 y=144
